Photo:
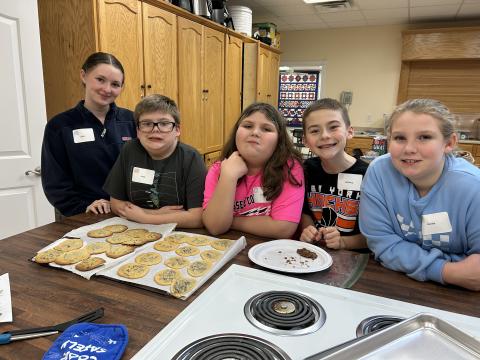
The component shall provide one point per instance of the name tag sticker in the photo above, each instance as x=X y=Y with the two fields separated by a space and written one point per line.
x=83 y=135
x=349 y=181
x=258 y=195
x=143 y=176
x=437 y=223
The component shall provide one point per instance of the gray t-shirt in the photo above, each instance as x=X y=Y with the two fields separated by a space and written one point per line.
x=177 y=180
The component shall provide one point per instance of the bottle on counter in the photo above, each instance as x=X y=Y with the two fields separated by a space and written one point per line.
x=379 y=144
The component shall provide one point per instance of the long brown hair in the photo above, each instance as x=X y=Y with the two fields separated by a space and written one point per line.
x=279 y=167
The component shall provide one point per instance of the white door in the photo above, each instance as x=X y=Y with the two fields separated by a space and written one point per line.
x=23 y=205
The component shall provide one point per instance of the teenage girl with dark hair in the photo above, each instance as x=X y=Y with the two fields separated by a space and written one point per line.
x=258 y=187
x=81 y=145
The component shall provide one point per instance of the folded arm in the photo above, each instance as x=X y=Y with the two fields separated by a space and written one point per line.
x=265 y=226
x=391 y=248
x=191 y=218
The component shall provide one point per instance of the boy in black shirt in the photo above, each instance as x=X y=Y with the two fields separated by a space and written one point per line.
x=157 y=179
x=332 y=179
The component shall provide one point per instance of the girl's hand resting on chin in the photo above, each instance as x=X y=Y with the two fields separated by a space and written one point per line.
x=234 y=166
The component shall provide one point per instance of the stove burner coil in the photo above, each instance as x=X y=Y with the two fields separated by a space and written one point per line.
x=376 y=323
x=231 y=347
x=284 y=313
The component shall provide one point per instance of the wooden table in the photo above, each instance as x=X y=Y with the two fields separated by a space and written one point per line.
x=43 y=296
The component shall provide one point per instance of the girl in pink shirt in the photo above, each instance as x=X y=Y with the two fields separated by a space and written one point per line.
x=258 y=187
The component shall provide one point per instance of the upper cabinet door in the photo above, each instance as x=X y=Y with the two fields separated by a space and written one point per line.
x=160 y=51
x=190 y=95
x=273 y=78
x=213 y=85
x=233 y=82
x=263 y=79
x=120 y=33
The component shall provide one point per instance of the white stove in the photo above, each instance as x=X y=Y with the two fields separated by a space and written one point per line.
x=220 y=309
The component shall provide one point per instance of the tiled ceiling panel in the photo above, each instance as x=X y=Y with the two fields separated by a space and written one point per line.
x=296 y=15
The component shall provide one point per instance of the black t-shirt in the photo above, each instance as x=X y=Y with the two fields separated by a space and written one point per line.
x=176 y=180
x=74 y=170
x=325 y=203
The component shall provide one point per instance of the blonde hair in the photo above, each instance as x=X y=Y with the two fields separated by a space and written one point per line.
x=434 y=108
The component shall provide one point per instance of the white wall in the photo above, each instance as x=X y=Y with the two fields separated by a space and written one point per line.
x=365 y=60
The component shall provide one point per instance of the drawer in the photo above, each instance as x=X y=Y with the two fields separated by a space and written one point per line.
x=210 y=158
x=362 y=143
x=466 y=147
x=476 y=150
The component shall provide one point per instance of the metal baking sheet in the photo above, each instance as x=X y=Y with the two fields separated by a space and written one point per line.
x=423 y=336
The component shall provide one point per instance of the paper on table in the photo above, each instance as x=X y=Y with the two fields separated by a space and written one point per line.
x=5 y=299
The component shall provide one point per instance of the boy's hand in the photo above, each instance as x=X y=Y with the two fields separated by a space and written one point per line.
x=134 y=212
x=311 y=234
x=332 y=238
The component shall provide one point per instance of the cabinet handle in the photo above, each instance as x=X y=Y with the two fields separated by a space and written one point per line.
x=149 y=86
x=142 y=87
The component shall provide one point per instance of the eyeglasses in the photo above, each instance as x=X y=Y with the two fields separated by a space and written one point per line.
x=163 y=126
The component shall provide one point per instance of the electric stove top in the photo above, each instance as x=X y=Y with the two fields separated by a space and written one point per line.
x=253 y=314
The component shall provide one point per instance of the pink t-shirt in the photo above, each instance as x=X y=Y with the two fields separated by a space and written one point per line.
x=249 y=199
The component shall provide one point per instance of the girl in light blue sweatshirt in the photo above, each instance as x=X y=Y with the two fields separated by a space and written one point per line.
x=420 y=206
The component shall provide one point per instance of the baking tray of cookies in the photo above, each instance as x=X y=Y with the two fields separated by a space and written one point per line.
x=422 y=336
x=177 y=264
x=92 y=248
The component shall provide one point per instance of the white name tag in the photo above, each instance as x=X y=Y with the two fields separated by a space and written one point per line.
x=143 y=176
x=438 y=223
x=258 y=195
x=83 y=135
x=349 y=181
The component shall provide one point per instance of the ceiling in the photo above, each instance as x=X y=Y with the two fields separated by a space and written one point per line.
x=291 y=15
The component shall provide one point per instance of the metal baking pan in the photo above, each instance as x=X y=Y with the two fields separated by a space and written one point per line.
x=423 y=336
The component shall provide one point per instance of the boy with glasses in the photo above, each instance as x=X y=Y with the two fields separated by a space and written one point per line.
x=157 y=179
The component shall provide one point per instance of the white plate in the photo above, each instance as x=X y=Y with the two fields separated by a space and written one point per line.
x=281 y=255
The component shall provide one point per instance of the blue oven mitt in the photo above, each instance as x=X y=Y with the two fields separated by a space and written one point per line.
x=89 y=341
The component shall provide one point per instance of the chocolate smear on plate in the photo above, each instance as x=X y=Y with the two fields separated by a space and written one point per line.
x=307 y=253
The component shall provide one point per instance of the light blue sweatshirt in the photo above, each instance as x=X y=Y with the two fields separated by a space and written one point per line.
x=391 y=213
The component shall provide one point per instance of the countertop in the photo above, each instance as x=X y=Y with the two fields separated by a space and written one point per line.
x=44 y=296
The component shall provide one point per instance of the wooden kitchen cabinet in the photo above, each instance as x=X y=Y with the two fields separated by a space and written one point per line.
x=233 y=82
x=68 y=36
x=474 y=149
x=274 y=78
x=140 y=35
x=210 y=158
x=267 y=80
x=164 y=49
x=160 y=51
x=264 y=66
x=201 y=85
x=442 y=64
x=214 y=74
x=120 y=33
x=263 y=78
x=364 y=144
